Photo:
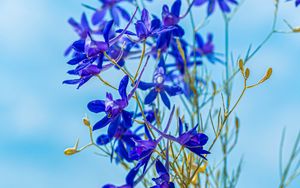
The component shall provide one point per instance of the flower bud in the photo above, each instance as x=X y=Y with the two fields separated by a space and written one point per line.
x=86 y=121
x=267 y=75
x=241 y=65
x=296 y=29
x=70 y=151
x=247 y=73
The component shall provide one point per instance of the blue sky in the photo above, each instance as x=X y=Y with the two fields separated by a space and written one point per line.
x=40 y=117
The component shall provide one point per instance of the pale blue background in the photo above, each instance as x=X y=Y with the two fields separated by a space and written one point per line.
x=39 y=117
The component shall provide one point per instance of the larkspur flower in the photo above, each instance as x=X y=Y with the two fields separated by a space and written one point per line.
x=85 y=74
x=114 y=109
x=170 y=18
x=223 y=4
x=125 y=141
x=163 y=181
x=114 y=9
x=158 y=86
x=145 y=27
x=143 y=152
x=90 y=49
x=180 y=62
x=193 y=140
x=82 y=29
x=205 y=49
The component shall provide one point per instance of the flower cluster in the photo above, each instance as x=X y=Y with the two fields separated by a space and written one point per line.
x=141 y=138
x=134 y=135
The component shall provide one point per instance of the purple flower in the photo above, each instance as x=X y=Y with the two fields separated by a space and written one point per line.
x=114 y=110
x=125 y=141
x=193 y=140
x=114 y=9
x=212 y=4
x=179 y=64
x=86 y=73
x=82 y=29
x=90 y=49
x=143 y=151
x=145 y=27
x=158 y=86
x=205 y=49
x=170 y=18
x=163 y=181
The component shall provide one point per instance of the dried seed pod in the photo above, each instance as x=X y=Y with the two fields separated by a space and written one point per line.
x=86 y=121
x=70 y=151
x=241 y=65
x=267 y=76
x=247 y=73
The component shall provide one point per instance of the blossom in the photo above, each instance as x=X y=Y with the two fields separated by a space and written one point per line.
x=193 y=140
x=158 y=86
x=114 y=9
x=91 y=49
x=170 y=18
x=205 y=49
x=145 y=27
x=163 y=181
x=114 y=110
x=223 y=4
x=82 y=29
x=143 y=152
x=85 y=74
x=125 y=141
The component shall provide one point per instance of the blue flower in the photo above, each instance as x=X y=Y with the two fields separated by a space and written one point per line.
x=85 y=74
x=223 y=4
x=114 y=9
x=163 y=181
x=145 y=27
x=158 y=86
x=125 y=141
x=114 y=110
x=170 y=18
x=193 y=140
x=205 y=49
x=82 y=29
x=90 y=49
x=143 y=151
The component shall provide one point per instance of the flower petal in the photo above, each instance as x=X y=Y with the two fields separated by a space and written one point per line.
x=98 y=16
x=106 y=30
x=173 y=90
x=113 y=126
x=103 y=139
x=124 y=13
x=175 y=10
x=165 y=99
x=96 y=106
x=145 y=85
x=123 y=86
x=126 y=116
x=102 y=123
x=151 y=96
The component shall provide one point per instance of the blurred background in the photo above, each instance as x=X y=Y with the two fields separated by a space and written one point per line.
x=40 y=117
